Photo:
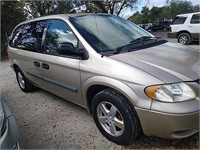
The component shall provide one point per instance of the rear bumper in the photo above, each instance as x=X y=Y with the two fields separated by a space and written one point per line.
x=171 y=34
x=10 y=138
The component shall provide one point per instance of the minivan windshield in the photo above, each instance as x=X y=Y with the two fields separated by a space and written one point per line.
x=107 y=32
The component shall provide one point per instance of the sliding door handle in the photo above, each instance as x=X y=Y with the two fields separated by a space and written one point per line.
x=36 y=63
x=45 y=66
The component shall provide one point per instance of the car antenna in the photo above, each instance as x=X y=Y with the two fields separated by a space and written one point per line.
x=98 y=35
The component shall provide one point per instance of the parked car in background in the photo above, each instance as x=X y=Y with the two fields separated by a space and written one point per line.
x=140 y=25
x=147 y=26
x=186 y=28
x=9 y=138
x=162 y=25
x=128 y=79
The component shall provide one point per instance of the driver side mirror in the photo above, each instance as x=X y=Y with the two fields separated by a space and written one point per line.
x=68 y=48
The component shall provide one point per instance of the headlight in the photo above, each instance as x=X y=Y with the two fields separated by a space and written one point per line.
x=1 y=116
x=170 y=92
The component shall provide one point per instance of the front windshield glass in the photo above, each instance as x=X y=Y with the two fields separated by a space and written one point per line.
x=107 y=32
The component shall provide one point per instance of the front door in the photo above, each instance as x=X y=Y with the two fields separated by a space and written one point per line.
x=61 y=72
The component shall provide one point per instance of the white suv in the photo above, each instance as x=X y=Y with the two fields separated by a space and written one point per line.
x=185 y=27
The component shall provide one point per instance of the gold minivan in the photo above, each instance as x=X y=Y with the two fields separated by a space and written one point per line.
x=128 y=79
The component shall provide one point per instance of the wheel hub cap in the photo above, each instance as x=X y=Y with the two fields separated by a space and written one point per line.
x=183 y=39
x=21 y=80
x=110 y=119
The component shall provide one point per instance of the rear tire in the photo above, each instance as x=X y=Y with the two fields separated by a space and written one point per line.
x=115 y=118
x=184 y=38
x=23 y=82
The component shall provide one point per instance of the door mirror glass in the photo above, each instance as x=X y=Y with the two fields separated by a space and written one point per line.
x=68 y=48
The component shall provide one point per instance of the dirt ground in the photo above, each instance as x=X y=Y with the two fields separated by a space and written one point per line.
x=46 y=121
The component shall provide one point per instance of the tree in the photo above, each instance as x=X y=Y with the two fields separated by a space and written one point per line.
x=196 y=8
x=11 y=15
x=111 y=6
x=180 y=7
x=167 y=12
x=46 y=7
x=41 y=8
x=155 y=14
x=14 y=12
x=136 y=18
x=145 y=14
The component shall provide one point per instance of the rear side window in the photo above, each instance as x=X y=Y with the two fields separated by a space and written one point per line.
x=28 y=36
x=179 y=20
x=195 y=19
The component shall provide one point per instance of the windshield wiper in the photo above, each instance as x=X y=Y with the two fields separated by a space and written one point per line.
x=143 y=38
x=138 y=40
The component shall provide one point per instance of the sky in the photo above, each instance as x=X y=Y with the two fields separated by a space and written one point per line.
x=160 y=3
x=149 y=3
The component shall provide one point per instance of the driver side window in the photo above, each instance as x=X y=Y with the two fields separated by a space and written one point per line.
x=58 y=32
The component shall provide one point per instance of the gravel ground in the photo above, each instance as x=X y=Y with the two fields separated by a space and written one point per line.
x=46 y=121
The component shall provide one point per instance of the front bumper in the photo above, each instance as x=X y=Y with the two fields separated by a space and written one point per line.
x=10 y=138
x=170 y=126
x=171 y=120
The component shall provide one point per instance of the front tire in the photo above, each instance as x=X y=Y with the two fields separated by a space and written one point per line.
x=184 y=38
x=23 y=82
x=115 y=117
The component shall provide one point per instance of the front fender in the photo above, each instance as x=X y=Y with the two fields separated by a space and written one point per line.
x=111 y=83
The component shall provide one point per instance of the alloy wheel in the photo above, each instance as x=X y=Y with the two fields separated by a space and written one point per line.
x=21 y=80
x=110 y=119
x=183 y=39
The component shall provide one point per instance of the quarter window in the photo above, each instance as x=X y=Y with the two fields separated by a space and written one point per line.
x=58 y=32
x=28 y=36
x=195 y=19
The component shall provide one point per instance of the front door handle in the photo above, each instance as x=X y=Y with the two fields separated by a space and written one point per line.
x=45 y=66
x=36 y=63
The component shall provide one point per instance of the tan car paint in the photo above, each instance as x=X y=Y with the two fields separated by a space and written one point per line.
x=113 y=72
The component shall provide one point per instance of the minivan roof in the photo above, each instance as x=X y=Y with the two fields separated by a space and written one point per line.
x=59 y=16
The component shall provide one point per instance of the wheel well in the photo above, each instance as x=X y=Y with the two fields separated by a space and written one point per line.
x=91 y=92
x=180 y=32
x=15 y=67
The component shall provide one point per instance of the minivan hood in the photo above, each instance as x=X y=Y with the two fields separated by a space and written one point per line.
x=168 y=62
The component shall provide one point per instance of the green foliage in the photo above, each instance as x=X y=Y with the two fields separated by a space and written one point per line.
x=14 y=12
x=155 y=14
x=167 y=12
x=11 y=15
x=110 y=6
x=180 y=7
x=41 y=8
